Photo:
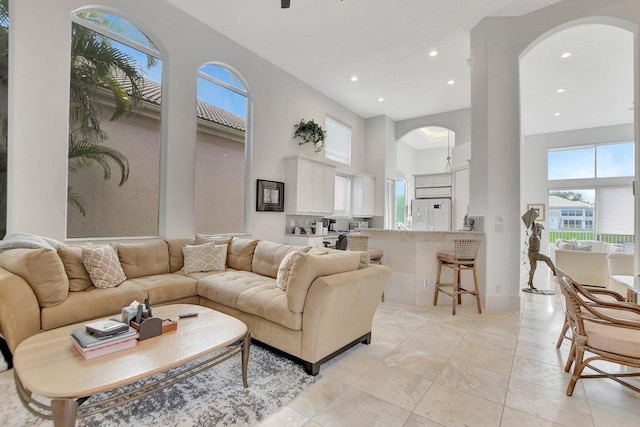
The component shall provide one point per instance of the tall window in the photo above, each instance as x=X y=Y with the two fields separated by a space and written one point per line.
x=114 y=129
x=220 y=151
x=4 y=81
x=337 y=145
x=401 y=203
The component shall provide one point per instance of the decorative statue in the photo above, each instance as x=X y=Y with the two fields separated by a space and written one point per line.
x=534 y=252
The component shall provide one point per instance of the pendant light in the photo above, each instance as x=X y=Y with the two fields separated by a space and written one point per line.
x=448 y=167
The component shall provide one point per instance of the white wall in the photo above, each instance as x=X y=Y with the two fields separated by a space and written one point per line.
x=496 y=45
x=37 y=181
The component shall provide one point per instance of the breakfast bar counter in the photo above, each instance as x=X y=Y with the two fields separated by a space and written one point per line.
x=412 y=256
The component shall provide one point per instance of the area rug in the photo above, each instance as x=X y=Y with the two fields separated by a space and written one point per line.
x=215 y=397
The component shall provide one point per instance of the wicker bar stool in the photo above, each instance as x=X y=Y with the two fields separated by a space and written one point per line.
x=463 y=258
x=359 y=242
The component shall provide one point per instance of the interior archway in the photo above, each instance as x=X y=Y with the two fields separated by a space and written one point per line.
x=577 y=90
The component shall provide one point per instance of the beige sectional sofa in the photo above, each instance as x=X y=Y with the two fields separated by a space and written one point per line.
x=327 y=307
x=584 y=260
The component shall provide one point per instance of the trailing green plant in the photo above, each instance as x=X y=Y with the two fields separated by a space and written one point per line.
x=310 y=132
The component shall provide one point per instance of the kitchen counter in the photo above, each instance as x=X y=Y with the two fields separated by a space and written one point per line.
x=412 y=255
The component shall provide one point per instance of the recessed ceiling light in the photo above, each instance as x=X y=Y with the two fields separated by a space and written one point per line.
x=556 y=114
x=380 y=99
x=451 y=82
x=354 y=78
x=433 y=53
x=565 y=55
x=560 y=90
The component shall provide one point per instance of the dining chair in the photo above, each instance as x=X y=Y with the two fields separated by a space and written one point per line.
x=608 y=331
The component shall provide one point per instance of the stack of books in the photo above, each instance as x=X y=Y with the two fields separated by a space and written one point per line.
x=103 y=337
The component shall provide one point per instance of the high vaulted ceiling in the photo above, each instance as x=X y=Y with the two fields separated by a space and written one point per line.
x=386 y=44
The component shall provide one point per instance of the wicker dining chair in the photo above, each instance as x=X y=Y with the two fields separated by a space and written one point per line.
x=591 y=295
x=608 y=332
x=462 y=259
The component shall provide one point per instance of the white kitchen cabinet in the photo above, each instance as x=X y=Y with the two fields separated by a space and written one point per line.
x=433 y=180
x=309 y=186
x=363 y=196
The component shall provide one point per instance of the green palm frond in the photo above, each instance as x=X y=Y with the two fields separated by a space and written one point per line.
x=84 y=152
x=76 y=201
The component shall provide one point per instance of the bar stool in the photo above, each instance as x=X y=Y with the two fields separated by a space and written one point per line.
x=359 y=242
x=463 y=258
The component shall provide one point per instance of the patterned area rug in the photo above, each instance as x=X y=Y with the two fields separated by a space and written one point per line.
x=213 y=398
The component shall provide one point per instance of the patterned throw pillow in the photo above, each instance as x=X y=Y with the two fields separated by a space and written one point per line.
x=103 y=266
x=282 y=279
x=202 y=258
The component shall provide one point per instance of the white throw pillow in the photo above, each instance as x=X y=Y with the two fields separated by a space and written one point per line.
x=284 y=271
x=202 y=258
x=103 y=266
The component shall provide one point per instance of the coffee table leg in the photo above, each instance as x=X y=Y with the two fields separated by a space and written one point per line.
x=245 y=358
x=64 y=412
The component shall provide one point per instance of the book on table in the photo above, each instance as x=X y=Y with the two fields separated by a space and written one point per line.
x=88 y=340
x=92 y=352
x=106 y=327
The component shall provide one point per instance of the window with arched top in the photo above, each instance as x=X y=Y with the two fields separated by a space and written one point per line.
x=114 y=128
x=221 y=151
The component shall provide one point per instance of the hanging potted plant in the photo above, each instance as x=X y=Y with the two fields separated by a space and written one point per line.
x=310 y=132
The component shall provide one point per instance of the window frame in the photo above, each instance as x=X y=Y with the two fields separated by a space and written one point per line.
x=338 y=148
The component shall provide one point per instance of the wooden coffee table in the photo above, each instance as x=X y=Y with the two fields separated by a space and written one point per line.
x=48 y=365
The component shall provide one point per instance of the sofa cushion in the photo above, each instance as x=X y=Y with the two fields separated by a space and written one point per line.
x=268 y=256
x=240 y=253
x=284 y=270
x=91 y=304
x=225 y=287
x=162 y=288
x=207 y=238
x=103 y=266
x=78 y=276
x=42 y=269
x=206 y=257
x=269 y=303
x=307 y=267
x=176 y=259
x=143 y=259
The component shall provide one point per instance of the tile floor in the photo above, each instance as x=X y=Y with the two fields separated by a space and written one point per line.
x=426 y=367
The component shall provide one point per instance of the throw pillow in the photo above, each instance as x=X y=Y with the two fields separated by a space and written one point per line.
x=71 y=256
x=103 y=266
x=284 y=271
x=203 y=258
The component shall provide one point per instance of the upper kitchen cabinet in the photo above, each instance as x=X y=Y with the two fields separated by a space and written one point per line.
x=363 y=202
x=309 y=186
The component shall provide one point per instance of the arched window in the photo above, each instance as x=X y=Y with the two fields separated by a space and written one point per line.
x=221 y=148
x=401 y=203
x=114 y=129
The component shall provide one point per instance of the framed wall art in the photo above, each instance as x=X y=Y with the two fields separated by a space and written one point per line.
x=270 y=196
x=539 y=207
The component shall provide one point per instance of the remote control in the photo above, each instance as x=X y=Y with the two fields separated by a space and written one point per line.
x=188 y=314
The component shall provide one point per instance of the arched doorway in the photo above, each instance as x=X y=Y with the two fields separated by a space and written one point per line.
x=577 y=86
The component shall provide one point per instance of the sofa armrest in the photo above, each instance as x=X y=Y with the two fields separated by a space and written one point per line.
x=339 y=308
x=19 y=309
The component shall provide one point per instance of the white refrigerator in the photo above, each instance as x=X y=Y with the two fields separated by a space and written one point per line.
x=431 y=214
